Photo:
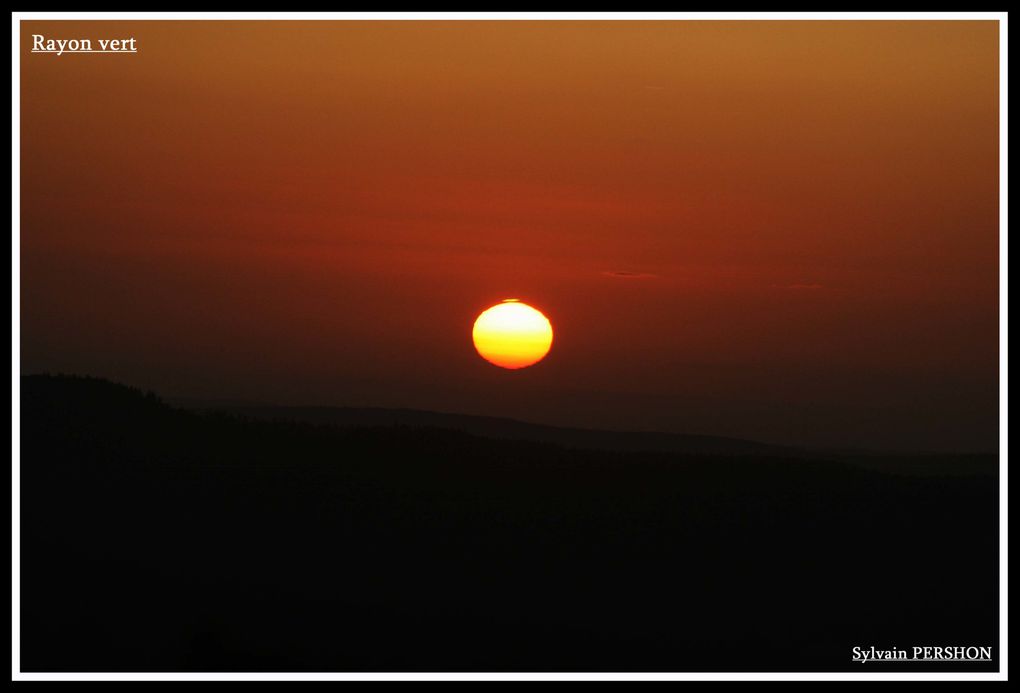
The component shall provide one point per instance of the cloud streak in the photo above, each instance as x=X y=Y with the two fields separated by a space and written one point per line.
x=623 y=274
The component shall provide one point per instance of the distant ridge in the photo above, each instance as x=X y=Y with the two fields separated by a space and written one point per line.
x=497 y=428
x=507 y=429
x=89 y=397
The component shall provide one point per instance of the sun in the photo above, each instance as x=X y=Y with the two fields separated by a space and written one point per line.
x=512 y=335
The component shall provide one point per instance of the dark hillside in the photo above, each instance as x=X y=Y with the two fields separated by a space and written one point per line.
x=159 y=539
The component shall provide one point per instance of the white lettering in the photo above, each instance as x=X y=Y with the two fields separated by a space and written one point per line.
x=41 y=44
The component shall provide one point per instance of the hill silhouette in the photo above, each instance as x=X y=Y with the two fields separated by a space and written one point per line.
x=594 y=439
x=159 y=539
x=506 y=429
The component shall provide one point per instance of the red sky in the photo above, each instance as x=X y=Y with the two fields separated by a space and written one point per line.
x=778 y=230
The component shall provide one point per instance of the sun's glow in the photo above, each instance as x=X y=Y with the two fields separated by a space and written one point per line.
x=512 y=334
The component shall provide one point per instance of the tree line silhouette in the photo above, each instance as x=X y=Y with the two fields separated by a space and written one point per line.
x=159 y=539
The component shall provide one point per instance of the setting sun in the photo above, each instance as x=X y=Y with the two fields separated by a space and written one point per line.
x=512 y=334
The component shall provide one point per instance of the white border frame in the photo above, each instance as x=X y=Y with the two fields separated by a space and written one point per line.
x=18 y=675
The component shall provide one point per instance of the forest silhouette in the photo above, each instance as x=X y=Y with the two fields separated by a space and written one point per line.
x=156 y=538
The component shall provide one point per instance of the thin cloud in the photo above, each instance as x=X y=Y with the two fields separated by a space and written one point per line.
x=623 y=274
x=804 y=287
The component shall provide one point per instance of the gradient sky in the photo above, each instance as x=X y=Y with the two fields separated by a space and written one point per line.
x=785 y=231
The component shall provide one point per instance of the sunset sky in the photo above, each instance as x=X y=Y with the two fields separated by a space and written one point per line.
x=784 y=231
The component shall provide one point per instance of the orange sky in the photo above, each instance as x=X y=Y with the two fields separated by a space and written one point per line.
x=779 y=230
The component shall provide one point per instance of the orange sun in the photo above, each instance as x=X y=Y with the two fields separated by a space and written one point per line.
x=512 y=334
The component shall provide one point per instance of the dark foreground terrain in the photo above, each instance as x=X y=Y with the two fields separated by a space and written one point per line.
x=159 y=539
